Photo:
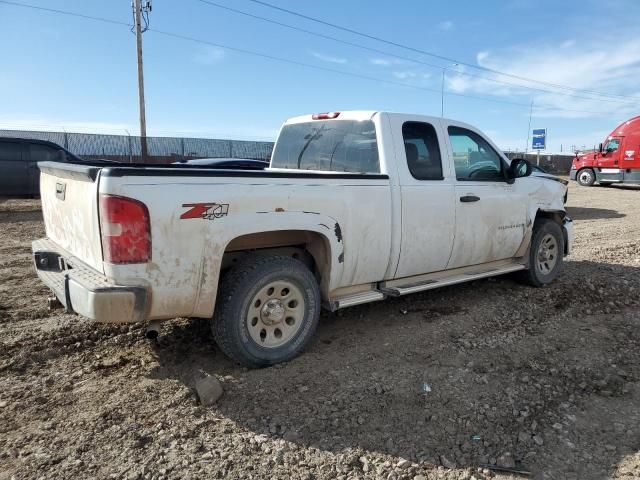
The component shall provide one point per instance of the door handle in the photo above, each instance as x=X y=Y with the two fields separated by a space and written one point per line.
x=469 y=198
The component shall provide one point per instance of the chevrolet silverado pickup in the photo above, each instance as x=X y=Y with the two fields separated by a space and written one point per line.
x=354 y=207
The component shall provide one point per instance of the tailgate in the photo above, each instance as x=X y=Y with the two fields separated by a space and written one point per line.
x=69 y=194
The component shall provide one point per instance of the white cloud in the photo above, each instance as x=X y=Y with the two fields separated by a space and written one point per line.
x=481 y=57
x=209 y=55
x=329 y=58
x=446 y=25
x=404 y=75
x=568 y=43
x=610 y=65
x=385 y=62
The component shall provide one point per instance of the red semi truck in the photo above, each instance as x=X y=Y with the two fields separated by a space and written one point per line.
x=616 y=161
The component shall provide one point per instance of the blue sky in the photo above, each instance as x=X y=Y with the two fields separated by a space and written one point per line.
x=80 y=75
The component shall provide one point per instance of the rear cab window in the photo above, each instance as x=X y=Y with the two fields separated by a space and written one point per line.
x=422 y=151
x=330 y=145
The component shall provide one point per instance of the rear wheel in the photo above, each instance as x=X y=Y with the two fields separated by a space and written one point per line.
x=267 y=310
x=586 y=177
x=545 y=253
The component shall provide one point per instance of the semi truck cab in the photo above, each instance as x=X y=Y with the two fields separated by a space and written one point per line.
x=617 y=159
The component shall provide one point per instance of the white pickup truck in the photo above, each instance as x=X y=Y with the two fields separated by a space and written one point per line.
x=354 y=207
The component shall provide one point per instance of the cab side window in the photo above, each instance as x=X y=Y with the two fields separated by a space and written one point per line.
x=422 y=150
x=612 y=145
x=46 y=153
x=473 y=157
x=10 y=152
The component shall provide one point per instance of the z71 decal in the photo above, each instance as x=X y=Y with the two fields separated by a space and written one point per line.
x=208 y=211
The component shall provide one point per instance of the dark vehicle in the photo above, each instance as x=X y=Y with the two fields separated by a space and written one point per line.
x=236 y=163
x=538 y=169
x=19 y=157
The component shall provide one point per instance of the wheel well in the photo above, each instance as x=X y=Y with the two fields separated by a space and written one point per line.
x=556 y=217
x=311 y=248
x=586 y=168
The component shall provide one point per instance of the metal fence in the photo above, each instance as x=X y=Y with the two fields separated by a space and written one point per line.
x=125 y=148
x=553 y=163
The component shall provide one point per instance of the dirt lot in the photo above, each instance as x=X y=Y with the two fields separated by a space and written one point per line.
x=545 y=379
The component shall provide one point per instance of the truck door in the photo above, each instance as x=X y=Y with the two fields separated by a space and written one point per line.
x=490 y=213
x=14 y=172
x=611 y=150
x=608 y=163
x=427 y=193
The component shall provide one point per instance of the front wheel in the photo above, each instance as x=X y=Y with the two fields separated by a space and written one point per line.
x=586 y=177
x=545 y=253
x=267 y=311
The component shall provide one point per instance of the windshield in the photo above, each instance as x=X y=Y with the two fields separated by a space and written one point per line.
x=336 y=145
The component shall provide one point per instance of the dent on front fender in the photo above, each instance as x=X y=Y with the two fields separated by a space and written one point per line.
x=543 y=196
x=547 y=196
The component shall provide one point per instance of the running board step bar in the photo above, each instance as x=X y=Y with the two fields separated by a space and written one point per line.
x=355 y=299
x=442 y=281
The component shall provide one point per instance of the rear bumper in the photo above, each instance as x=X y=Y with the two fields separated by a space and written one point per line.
x=83 y=290
x=567 y=229
x=573 y=174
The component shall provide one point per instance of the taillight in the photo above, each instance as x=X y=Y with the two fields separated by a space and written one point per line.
x=325 y=116
x=125 y=229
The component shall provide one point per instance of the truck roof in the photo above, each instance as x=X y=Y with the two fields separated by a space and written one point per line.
x=361 y=115
x=633 y=124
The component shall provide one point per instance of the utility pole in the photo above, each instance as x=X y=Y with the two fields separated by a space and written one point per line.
x=137 y=15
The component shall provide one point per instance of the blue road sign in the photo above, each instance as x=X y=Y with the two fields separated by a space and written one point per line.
x=539 y=139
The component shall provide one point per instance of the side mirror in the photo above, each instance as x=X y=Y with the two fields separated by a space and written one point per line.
x=519 y=168
x=600 y=148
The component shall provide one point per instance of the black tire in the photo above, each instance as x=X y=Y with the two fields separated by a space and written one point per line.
x=238 y=290
x=536 y=275
x=586 y=177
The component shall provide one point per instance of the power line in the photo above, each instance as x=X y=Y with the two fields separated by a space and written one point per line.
x=431 y=54
x=401 y=57
x=64 y=12
x=319 y=67
x=289 y=61
x=356 y=75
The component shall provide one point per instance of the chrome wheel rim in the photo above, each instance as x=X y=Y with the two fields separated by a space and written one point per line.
x=275 y=314
x=585 y=177
x=547 y=255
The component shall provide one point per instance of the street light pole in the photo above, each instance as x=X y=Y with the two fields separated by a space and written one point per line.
x=442 y=95
x=442 y=88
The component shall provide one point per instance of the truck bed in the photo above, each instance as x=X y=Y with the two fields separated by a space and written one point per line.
x=350 y=211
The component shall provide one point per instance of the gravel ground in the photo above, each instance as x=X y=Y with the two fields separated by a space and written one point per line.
x=542 y=380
